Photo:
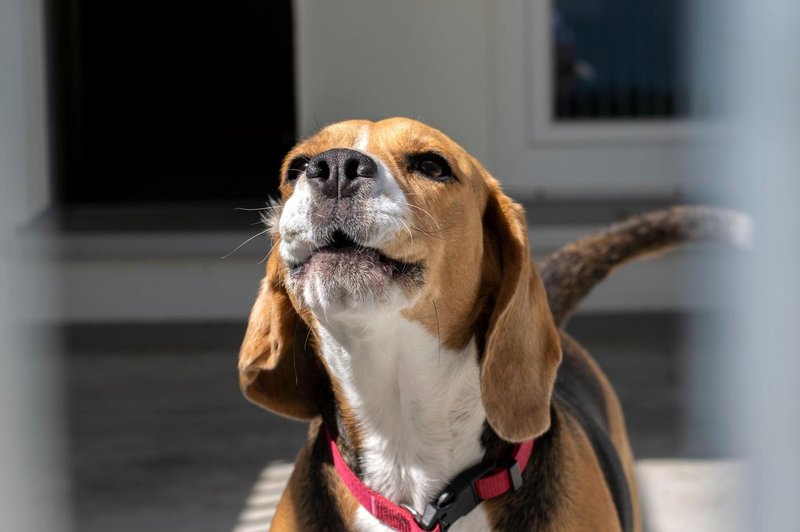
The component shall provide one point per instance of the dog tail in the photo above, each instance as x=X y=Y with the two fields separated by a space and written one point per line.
x=570 y=273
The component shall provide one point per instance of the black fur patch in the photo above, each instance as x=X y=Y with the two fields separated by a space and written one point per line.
x=535 y=505
x=317 y=506
x=577 y=380
x=579 y=393
x=316 y=502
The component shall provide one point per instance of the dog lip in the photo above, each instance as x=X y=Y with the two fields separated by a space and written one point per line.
x=340 y=240
x=341 y=243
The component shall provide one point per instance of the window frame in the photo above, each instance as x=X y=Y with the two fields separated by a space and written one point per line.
x=542 y=124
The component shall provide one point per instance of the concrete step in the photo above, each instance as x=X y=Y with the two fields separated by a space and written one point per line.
x=691 y=495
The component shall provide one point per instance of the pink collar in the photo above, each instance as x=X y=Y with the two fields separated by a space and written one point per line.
x=486 y=480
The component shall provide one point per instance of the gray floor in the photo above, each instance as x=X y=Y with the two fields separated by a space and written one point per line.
x=161 y=439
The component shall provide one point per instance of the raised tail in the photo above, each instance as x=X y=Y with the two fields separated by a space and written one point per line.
x=570 y=273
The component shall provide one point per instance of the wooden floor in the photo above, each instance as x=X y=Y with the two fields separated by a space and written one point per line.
x=161 y=440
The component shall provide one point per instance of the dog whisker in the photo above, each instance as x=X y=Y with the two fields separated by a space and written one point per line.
x=428 y=233
x=268 y=253
x=438 y=226
x=408 y=229
x=397 y=222
x=438 y=333
x=294 y=353
x=245 y=242
x=267 y=208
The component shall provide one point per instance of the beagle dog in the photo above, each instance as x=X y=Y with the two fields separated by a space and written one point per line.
x=401 y=314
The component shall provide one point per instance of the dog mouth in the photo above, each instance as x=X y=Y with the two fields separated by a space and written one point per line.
x=343 y=255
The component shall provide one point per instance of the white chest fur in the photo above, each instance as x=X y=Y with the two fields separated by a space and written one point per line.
x=418 y=406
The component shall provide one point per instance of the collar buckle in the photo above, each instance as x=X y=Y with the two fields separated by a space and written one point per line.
x=457 y=500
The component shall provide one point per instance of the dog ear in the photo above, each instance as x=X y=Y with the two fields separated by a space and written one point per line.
x=277 y=366
x=522 y=349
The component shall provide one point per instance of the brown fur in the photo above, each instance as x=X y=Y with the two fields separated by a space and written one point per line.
x=616 y=421
x=277 y=369
x=522 y=349
x=314 y=499
x=479 y=283
x=451 y=221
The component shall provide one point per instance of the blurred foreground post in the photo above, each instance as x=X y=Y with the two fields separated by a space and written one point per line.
x=31 y=475
x=752 y=54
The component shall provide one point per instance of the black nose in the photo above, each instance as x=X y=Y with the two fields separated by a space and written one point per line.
x=339 y=173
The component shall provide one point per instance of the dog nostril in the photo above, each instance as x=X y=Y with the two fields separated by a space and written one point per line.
x=318 y=169
x=366 y=168
x=359 y=165
x=351 y=169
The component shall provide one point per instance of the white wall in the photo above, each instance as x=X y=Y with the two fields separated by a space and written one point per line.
x=474 y=68
x=373 y=59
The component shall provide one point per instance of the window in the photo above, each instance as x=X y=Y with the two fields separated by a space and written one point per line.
x=618 y=60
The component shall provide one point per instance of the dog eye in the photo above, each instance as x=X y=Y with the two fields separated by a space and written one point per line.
x=432 y=166
x=296 y=167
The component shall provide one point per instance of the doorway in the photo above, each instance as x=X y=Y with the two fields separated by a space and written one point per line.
x=158 y=102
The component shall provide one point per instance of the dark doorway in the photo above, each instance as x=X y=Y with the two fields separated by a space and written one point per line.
x=169 y=101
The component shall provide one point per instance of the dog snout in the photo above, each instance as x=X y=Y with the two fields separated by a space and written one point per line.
x=340 y=173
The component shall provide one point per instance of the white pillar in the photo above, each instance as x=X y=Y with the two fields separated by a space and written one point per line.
x=32 y=479
x=753 y=67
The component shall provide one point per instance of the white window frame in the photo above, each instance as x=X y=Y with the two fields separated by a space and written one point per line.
x=535 y=156
x=543 y=125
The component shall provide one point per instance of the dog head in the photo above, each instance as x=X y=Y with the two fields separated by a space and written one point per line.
x=386 y=217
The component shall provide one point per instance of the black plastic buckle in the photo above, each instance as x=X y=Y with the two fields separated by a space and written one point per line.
x=459 y=497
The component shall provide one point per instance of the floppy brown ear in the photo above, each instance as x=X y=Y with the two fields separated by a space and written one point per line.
x=523 y=350
x=277 y=367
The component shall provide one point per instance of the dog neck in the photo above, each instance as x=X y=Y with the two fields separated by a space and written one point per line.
x=411 y=408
